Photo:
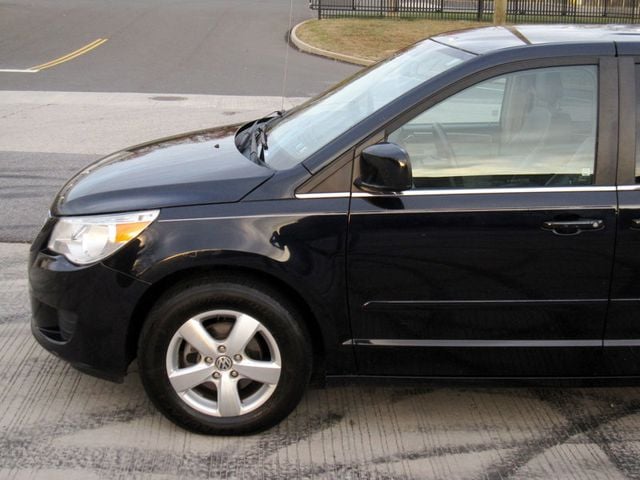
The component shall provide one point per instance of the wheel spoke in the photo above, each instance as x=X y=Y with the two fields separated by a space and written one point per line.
x=244 y=329
x=229 y=404
x=263 y=372
x=190 y=377
x=196 y=358
x=198 y=337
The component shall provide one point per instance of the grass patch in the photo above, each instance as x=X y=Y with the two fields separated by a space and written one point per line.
x=375 y=39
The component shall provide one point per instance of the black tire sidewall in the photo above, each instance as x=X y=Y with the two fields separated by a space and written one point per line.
x=275 y=314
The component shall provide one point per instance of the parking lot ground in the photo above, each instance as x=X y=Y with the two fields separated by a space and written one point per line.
x=56 y=423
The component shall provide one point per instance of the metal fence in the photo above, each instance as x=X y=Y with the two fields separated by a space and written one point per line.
x=520 y=11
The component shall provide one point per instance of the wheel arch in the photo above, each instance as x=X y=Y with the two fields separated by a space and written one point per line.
x=309 y=315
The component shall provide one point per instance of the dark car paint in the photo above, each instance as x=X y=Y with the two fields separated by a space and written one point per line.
x=475 y=272
x=322 y=244
x=194 y=168
x=302 y=246
x=82 y=314
x=623 y=328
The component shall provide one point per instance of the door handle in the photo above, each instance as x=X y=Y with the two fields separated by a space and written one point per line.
x=573 y=227
x=635 y=224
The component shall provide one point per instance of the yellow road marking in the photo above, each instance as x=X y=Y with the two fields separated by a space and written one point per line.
x=69 y=56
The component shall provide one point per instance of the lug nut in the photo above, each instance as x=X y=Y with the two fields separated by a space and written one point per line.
x=237 y=357
x=222 y=349
x=208 y=360
x=216 y=375
x=234 y=373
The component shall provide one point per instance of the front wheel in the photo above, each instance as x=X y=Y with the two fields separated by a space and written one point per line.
x=224 y=357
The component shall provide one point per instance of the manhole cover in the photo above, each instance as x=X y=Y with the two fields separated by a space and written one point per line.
x=168 y=98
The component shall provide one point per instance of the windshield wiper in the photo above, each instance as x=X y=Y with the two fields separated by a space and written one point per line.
x=257 y=137
x=258 y=140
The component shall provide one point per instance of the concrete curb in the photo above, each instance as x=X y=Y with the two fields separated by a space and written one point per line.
x=305 y=47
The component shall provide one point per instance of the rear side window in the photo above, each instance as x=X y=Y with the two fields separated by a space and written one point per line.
x=532 y=128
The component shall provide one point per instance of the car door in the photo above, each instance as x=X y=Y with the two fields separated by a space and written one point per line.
x=622 y=334
x=498 y=261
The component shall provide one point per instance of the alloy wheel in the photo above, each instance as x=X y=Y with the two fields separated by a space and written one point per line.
x=223 y=363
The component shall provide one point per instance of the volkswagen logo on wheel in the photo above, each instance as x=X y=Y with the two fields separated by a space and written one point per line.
x=223 y=362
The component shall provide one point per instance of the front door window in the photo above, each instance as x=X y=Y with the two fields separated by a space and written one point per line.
x=533 y=128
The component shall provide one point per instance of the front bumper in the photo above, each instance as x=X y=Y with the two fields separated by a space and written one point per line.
x=82 y=314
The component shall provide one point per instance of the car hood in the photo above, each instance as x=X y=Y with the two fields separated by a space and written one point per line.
x=195 y=168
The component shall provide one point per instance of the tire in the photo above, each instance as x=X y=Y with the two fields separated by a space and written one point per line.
x=201 y=331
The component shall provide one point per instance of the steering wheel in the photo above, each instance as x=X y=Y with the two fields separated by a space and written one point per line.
x=442 y=144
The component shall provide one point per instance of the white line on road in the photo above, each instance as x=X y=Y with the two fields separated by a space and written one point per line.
x=15 y=70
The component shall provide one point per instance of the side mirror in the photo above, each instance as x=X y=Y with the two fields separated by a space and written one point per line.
x=385 y=167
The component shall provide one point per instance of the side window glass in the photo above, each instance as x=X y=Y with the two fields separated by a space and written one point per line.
x=532 y=128
x=478 y=104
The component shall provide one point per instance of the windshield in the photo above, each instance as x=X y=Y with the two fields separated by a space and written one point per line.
x=309 y=127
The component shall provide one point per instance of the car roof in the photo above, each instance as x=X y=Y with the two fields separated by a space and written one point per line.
x=484 y=40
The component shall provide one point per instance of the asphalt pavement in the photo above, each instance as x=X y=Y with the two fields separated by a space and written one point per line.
x=56 y=423
x=224 y=47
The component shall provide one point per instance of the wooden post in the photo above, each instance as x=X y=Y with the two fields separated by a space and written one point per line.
x=499 y=12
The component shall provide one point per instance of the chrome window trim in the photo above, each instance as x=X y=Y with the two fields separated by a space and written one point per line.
x=622 y=342
x=322 y=195
x=628 y=188
x=416 y=211
x=468 y=191
x=487 y=191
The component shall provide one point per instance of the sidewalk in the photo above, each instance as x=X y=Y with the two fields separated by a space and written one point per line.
x=32 y=121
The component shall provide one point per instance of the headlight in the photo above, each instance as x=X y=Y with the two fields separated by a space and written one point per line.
x=85 y=240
